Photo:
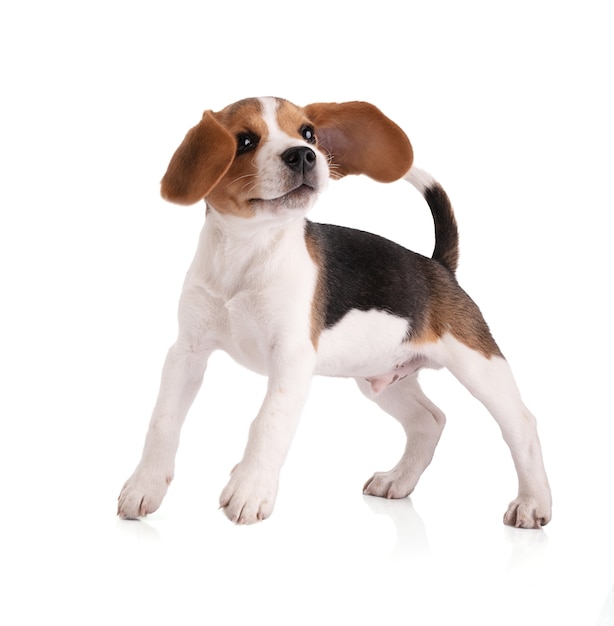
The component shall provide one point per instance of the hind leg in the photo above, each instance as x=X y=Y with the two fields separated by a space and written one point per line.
x=490 y=380
x=422 y=422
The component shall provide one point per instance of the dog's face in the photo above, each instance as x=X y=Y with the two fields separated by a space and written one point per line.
x=277 y=165
x=269 y=156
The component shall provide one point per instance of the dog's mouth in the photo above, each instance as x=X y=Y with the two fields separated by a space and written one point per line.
x=297 y=198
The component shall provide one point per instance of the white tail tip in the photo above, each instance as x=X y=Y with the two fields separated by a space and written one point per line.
x=420 y=179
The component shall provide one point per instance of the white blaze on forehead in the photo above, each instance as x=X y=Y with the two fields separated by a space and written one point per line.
x=269 y=114
x=283 y=121
x=272 y=174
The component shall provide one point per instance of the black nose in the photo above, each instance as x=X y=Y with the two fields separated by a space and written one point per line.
x=299 y=159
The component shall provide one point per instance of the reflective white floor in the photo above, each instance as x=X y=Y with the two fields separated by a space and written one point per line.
x=328 y=555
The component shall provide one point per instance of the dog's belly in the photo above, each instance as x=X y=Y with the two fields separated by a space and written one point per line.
x=363 y=344
x=366 y=344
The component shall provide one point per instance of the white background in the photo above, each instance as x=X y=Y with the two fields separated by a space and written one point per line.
x=510 y=106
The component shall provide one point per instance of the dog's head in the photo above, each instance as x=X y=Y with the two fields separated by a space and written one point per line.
x=268 y=155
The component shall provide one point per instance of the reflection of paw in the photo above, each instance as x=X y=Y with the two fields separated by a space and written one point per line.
x=527 y=512
x=142 y=494
x=393 y=484
x=249 y=496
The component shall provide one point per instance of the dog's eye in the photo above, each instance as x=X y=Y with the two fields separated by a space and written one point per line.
x=246 y=142
x=308 y=134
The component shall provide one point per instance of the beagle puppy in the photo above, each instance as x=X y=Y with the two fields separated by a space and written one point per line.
x=290 y=299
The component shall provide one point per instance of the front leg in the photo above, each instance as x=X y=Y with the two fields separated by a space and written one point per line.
x=250 y=493
x=182 y=376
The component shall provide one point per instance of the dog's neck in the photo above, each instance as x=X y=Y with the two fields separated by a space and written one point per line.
x=236 y=252
x=256 y=232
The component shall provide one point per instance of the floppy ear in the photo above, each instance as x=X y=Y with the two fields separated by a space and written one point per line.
x=203 y=157
x=361 y=140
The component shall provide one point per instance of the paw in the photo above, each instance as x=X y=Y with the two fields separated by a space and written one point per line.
x=249 y=496
x=142 y=494
x=392 y=485
x=527 y=512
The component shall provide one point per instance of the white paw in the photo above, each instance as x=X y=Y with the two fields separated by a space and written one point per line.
x=397 y=483
x=142 y=494
x=249 y=496
x=527 y=512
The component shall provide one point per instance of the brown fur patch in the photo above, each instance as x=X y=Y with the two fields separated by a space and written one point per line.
x=451 y=310
x=291 y=118
x=360 y=139
x=318 y=304
x=242 y=116
x=192 y=173
x=231 y=194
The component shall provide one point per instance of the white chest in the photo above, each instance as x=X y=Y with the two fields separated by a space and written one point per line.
x=252 y=292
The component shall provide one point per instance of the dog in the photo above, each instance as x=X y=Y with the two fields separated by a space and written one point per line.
x=290 y=298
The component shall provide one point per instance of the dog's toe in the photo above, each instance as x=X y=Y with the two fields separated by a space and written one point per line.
x=142 y=494
x=248 y=497
x=391 y=485
x=527 y=512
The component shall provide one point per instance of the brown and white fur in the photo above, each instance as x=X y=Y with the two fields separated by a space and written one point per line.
x=292 y=299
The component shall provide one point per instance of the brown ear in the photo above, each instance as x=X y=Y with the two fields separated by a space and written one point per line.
x=361 y=140
x=203 y=157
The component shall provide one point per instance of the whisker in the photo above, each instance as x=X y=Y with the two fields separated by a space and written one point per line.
x=250 y=189
x=238 y=178
x=332 y=167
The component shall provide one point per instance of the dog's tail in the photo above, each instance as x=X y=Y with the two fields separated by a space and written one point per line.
x=446 y=230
